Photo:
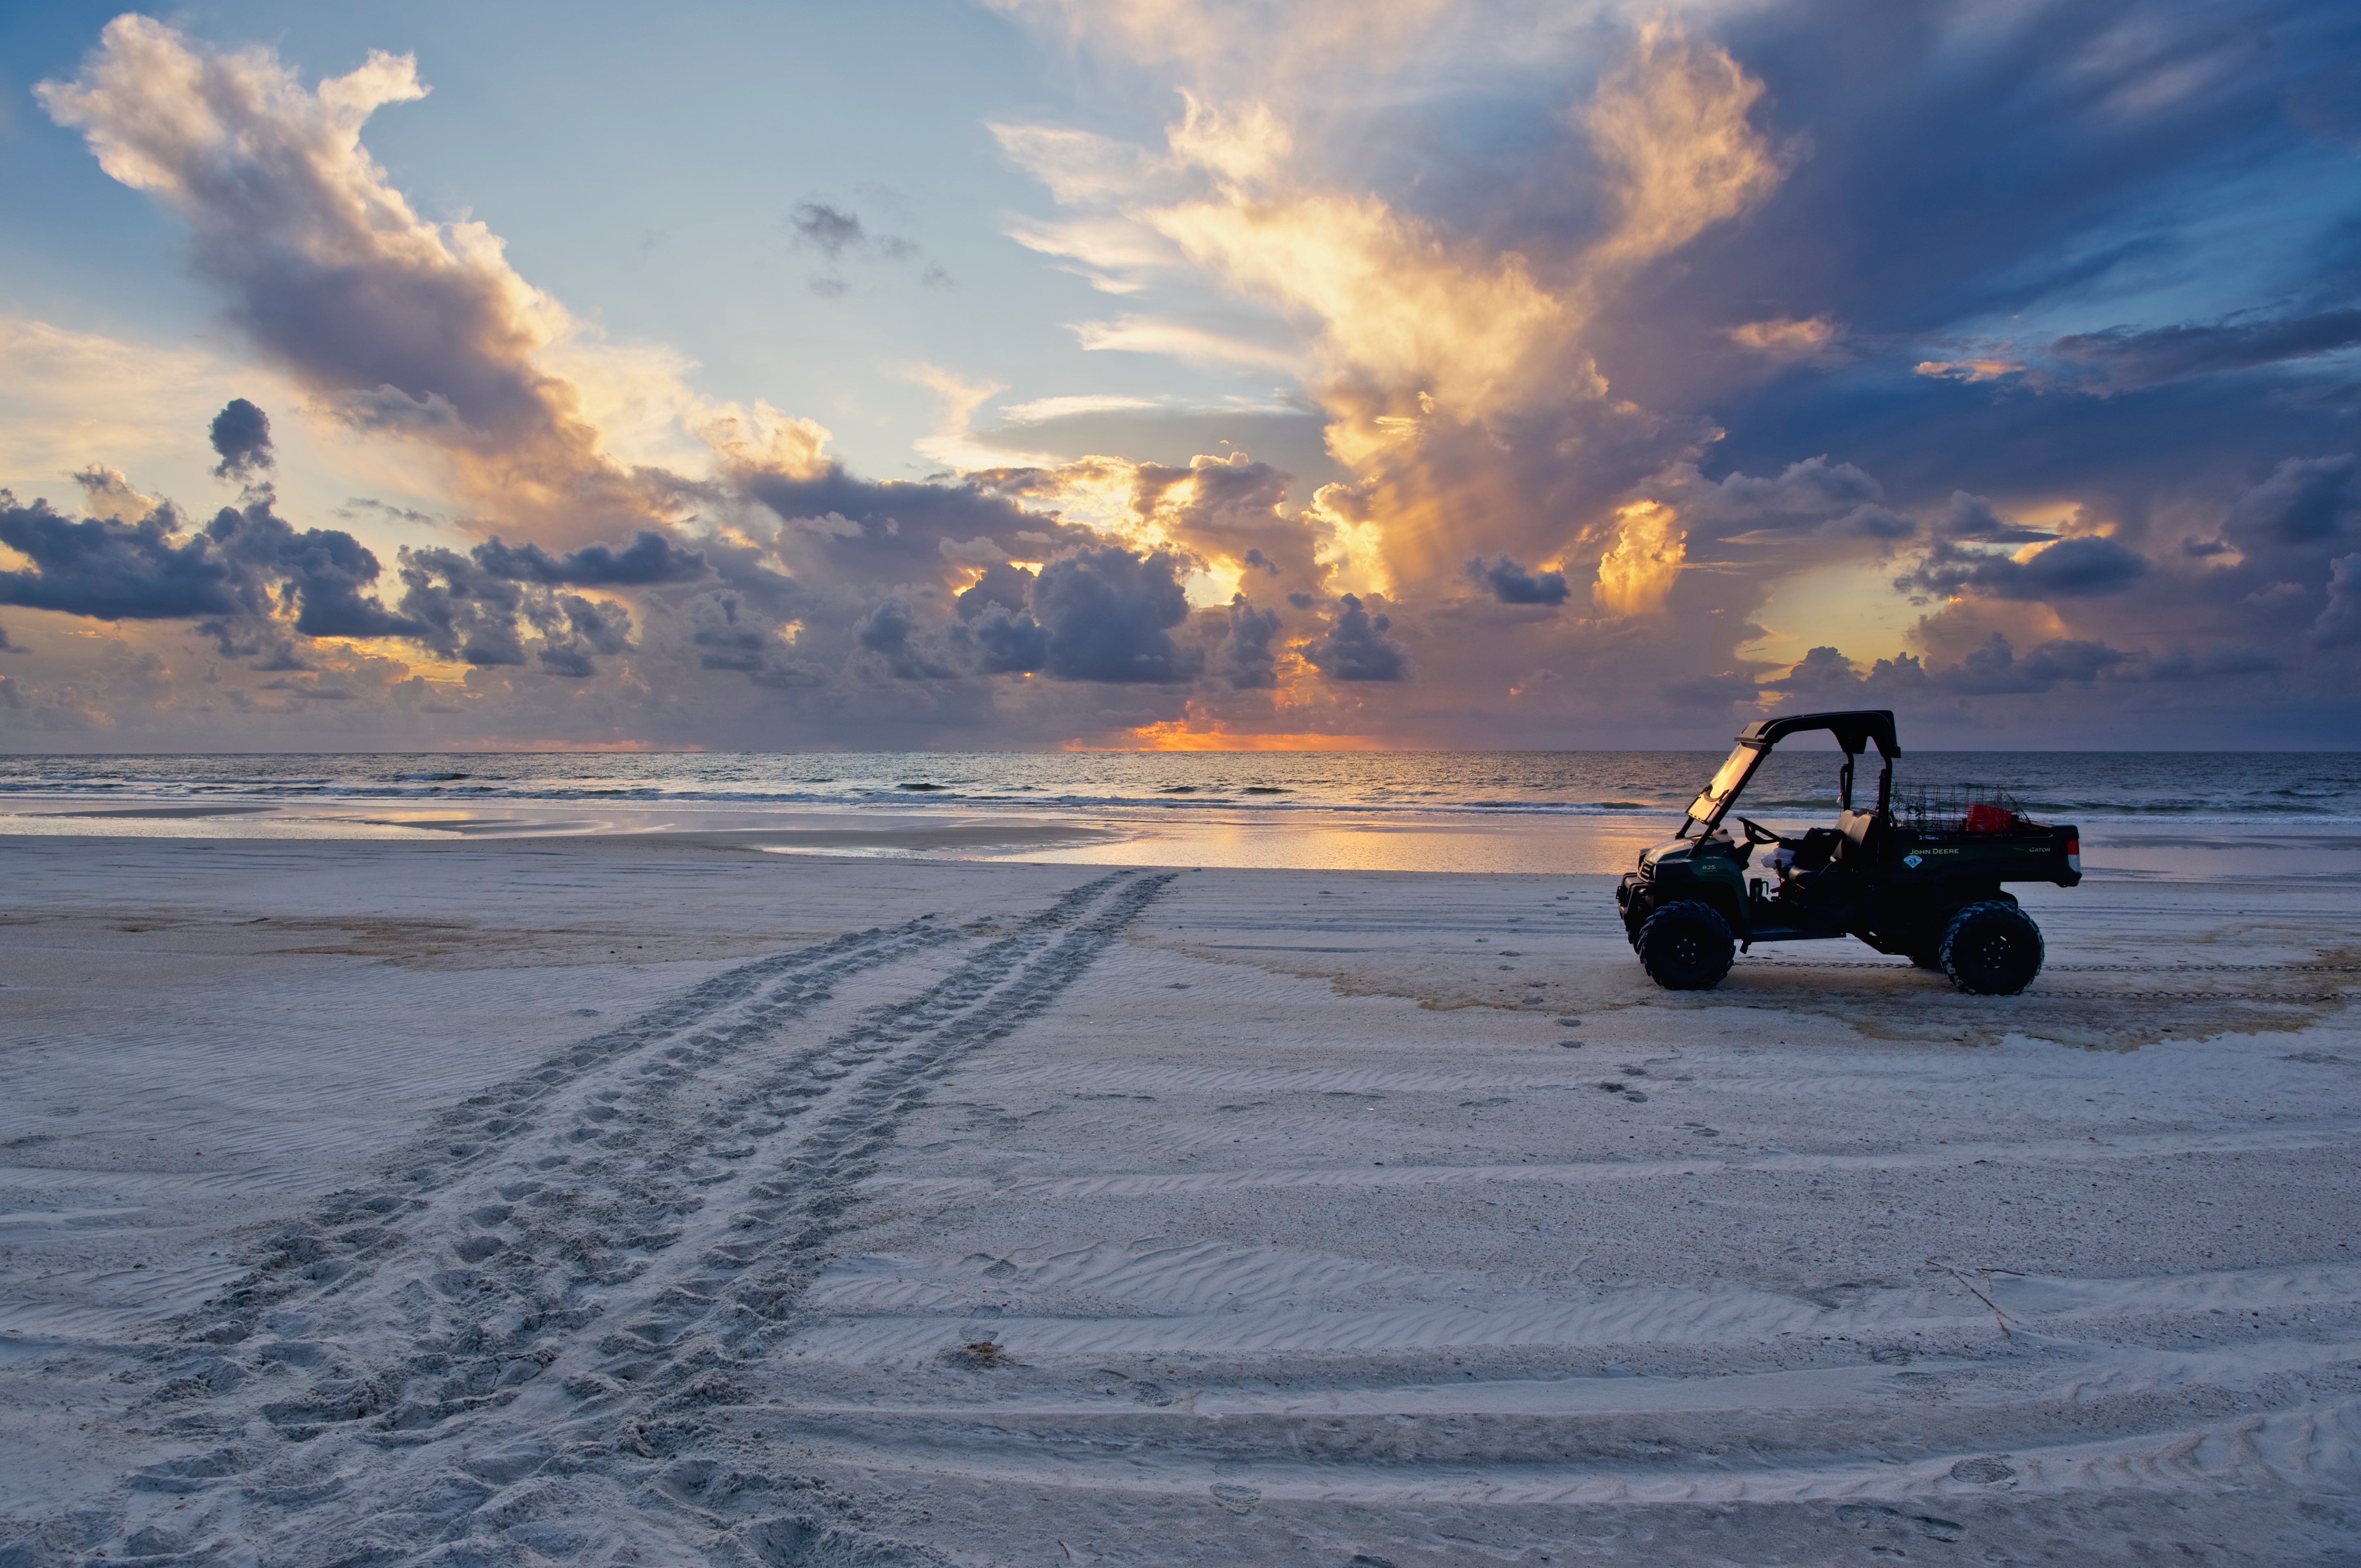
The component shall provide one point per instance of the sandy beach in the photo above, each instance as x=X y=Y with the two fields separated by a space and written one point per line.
x=653 y=1199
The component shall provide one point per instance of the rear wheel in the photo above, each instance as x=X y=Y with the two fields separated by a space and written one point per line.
x=1993 y=949
x=1686 y=946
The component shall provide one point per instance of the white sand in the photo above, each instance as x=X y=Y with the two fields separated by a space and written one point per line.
x=597 y=1202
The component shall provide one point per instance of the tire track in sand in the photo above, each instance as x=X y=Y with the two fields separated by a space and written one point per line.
x=450 y=1431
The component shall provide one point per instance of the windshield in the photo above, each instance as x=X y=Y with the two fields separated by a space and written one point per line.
x=1715 y=796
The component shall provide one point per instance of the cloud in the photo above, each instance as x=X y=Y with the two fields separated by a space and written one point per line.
x=2340 y=624
x=1643 y=560
x=1042 y=409
x=400 y=324
x=652 y=558
x=1970 y=370
x=241 y=433
x=1007 y=640
x=1511 y=584
x=836 y=233
x=2125 y=357
x=106 y=493
x=1512 y=309
x=1246 y=657
x=1675 y=123
x=826 y=229
x=1356 y=648
x=2306 y=501
x=1108 y=615
x=146 y=570
x=2083 y=568
x=233 y=570
x=1191 y=345
x=1974 y=518
x=1784 y=337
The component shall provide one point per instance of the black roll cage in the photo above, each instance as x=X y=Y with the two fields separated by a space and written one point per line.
x=1855 y=733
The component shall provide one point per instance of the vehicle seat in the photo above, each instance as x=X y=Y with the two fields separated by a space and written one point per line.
x=1856 y=835
x=1815 y=848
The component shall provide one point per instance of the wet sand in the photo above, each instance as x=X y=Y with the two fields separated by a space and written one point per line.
x=596 y=1200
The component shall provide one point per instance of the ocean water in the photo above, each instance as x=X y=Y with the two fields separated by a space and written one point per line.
x=2296 y=789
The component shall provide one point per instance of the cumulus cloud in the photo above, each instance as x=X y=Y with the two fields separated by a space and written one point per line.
x=241 y=433
x=1511 y=584
x=1108 y=615
x=403 y=324
x=147 y=570
x=106 y=492
x=651 y=558
x=2084 y=567
x=1355 y=648
x=1247 y=656
x=2339 y=623
x=2306 y=501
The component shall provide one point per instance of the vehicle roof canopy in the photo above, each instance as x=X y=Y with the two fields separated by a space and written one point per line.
x=1855 y=732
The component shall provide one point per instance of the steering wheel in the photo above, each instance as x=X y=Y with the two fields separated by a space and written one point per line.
x=1757 y=834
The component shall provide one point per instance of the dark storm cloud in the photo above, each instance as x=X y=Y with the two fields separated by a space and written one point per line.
x=886 y=629
x=474 y=608
x=236 y=569
x=1356 y=648
x=2306 y=501
x=2130 y=357
x=1511 y=584
x=1975 y=518
x=1109 y=613
x=241 y=433
x=573 y=629
x=1010 y=588
x=1710 y=694
x=2339 y=623
x=1995 y=668
x=327 y=570
x=1245 y=656
x=894 y=531
x=651 y=558
x=894 y=633
x=120 y=571
x=994 y=624
x=463 y=611
x=2086 y=567
x=1006 y=642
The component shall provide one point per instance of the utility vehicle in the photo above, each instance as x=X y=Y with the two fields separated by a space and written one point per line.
x=1923 y=880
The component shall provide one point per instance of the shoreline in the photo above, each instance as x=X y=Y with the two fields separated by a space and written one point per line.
x=1303 y=839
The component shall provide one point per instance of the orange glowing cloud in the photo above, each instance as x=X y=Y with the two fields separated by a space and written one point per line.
x=1199 y=732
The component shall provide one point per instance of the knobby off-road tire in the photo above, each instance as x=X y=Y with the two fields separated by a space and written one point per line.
x=1686 y=946
x=1991 y=949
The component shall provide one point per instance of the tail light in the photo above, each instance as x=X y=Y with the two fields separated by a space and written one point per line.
x=2074 y=854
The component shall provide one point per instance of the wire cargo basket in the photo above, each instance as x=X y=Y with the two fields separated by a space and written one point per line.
x=1961 y=808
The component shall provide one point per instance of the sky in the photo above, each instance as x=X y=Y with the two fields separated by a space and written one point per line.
x=1177 y=374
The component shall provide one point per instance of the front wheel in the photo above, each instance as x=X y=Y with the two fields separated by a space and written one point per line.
x=1991 y=949
x=1686 y=946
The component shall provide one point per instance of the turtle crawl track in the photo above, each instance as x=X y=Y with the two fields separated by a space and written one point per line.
x=515 y=1333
